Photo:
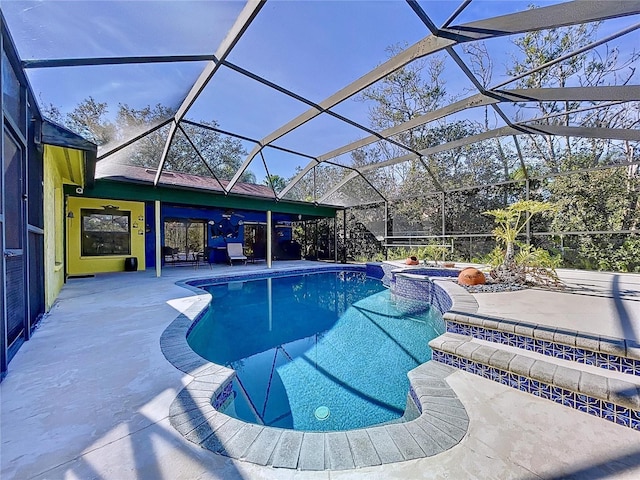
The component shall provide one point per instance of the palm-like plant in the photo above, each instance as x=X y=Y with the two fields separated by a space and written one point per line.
x=511 y=221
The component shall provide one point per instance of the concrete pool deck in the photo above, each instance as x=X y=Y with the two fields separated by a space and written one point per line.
x=89 y=395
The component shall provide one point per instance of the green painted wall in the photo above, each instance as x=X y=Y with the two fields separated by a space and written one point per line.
x=140 y=192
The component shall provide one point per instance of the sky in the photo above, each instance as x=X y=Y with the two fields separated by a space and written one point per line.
x=313 y=48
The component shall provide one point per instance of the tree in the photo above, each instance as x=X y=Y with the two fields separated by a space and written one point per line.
x=276 y=182
x=194 y=150
x=590 y=68
x=510 y=223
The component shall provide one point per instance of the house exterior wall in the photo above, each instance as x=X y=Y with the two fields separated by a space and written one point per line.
x=53 y=229
x=77 y=264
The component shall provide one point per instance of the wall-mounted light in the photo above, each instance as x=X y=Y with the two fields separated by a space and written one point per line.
x=70 y=215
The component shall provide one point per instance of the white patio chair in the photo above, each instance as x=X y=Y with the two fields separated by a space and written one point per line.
x=235 y=252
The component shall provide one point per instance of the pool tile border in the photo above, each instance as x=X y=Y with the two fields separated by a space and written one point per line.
x=193 y=412
x=605 y=352
x=620 y=414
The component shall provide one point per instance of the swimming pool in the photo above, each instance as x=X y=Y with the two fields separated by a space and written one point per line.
x=315 y=352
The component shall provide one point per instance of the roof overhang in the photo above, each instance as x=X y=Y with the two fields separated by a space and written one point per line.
x=74 y=155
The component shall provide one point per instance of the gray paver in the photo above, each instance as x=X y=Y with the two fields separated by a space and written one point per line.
x=632 y=349
x=185 y=403
x=525 y=329
x=453 y=431
x=189 y=364
x=613 y=346
x=508 y=326
x=593 y=385
x=466 y=349
x=222 y=434
x=242 y=441
x=337 y=451
x=452 y=410
x=490 y=323
x=190 y=419
x=444 y=440
x=483 y=354
x=588 y=341
x=456 y=421
x=404 y=441
x=521 y=365
x=422 y=391
x=568 y=378
x=543 y=371
x=364 y=455
x=425 y=441
x=384 y=445
x=288 y=449
x=566 y=337
x=624 y=393
x=263 y=446
x=544 y=333
x=312 y=452
x=200 y=433
x=501 y=359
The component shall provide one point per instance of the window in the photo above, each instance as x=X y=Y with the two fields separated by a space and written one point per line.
x=11 y=90
x=185 y=236
x=105 y=232
x=13 y=209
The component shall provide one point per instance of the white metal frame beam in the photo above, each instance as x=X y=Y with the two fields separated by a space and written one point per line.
x=247 y=15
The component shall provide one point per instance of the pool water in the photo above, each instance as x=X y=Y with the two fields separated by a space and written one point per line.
x=315 y=352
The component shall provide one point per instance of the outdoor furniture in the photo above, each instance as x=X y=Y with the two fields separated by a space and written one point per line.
x=235 y=252
x=170 y=254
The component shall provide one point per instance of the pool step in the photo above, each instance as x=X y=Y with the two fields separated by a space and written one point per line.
x=608 y=353
x=611 y=395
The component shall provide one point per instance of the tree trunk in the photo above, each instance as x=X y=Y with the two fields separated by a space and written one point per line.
x=509 y=272
x=510 y=255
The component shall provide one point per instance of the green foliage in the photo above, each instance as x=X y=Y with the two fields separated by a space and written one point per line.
x=533 y=257
x=276 y=182
x=194 y=150
x=494 y=258
x=605 y=252
x=513 y=219
x=529 y=263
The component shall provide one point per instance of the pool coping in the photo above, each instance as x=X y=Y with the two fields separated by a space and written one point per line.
x=435 y=419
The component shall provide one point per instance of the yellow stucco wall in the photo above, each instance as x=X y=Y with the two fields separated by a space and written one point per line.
x=79 y=265
x=53 y=228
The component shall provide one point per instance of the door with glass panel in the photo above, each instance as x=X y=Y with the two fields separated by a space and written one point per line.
x=184 y=240
x=13 y=247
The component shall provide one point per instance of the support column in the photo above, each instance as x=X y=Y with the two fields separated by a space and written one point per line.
x=444 y=231
x=386 y=230
x=335 y=239
x=344 y=236
x=269 y=238
x=529 y=220
x=158 y=240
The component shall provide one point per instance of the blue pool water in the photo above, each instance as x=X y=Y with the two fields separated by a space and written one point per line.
x=315 y=352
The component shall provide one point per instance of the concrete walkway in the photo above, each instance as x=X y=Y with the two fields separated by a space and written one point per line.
x=88 y=397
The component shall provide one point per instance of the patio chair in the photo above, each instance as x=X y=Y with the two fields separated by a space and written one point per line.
x=235 y=252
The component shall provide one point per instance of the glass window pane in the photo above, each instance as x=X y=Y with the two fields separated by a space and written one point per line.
x=105 y=233
x=10 y=90
x=13 y=174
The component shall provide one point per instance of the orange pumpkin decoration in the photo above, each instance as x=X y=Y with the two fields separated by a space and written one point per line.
x=471 y=276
